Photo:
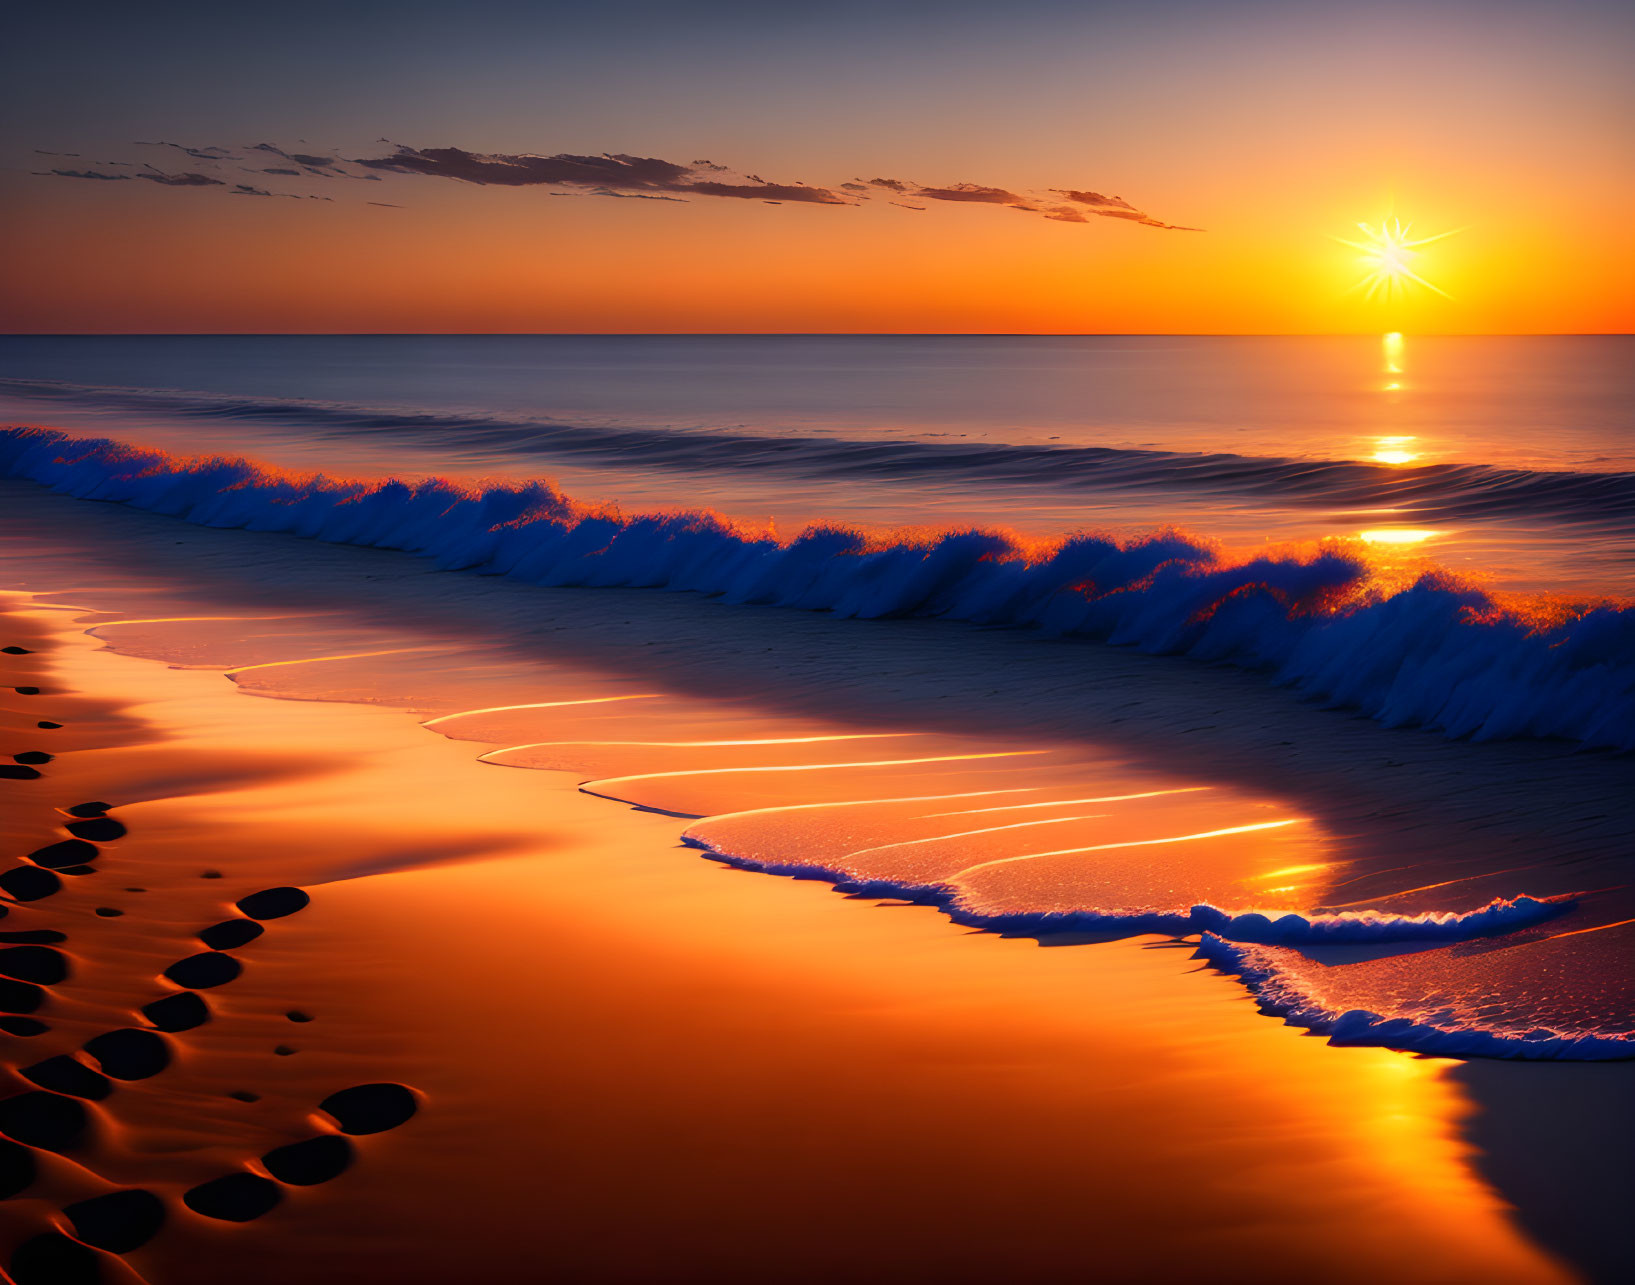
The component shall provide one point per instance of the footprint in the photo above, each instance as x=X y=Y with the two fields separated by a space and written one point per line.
x=97 y=829
x=17 y=1168
x=273 y=903
x=42 y=1119
x=119 y=1221
x=371 y=1108
x=305 y=1164
x=129 y=1053
x=179 y=1012
x=242 y=1196
x=64 y=853
x=19 y=997
x=234 y=1198
x=54 y=1259
x=230 y=934
x=29 y=883
x=66 y=1074
x=204 y=970
x=34 y=964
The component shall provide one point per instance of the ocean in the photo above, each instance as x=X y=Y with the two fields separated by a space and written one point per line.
x=1509 y=459
x=566 y=676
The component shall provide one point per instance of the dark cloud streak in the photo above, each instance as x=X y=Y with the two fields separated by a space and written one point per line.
x=622 y=176
x=182 y=180
x=607 y=174
x=197 y=153
x=973 y=192
x=97 y=174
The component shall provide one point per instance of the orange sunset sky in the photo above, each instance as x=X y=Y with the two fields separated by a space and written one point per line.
x=409 y=168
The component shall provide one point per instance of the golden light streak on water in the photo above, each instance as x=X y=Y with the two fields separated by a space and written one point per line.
x=345 y=655
x=966 y=834
x=1071 y=803
x=505 y=709
x=1142 y=843
x=804 y=767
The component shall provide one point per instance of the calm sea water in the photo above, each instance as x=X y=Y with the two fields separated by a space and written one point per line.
x=1509 y=459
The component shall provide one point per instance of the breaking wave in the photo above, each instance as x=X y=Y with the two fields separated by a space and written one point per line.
x=1433 y=492
x=1435 y=653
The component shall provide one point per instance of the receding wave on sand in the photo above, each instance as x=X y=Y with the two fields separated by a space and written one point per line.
x=1057 y=792
x=1161 y=854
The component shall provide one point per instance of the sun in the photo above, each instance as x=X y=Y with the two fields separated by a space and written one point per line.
x=1387 y=252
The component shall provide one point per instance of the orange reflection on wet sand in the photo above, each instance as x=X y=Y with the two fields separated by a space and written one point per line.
x=615 y=1037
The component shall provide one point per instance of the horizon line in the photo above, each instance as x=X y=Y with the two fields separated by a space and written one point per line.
x=808 y=334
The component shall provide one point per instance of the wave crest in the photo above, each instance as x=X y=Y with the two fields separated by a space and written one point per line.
x=1438 y=653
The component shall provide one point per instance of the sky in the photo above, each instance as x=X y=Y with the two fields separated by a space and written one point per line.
x=895 y=166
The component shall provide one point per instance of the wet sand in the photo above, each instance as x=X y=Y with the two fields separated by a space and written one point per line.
x=634 y=1063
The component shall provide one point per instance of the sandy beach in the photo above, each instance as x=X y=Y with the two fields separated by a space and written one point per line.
x=602 y=1028
x=887 y=643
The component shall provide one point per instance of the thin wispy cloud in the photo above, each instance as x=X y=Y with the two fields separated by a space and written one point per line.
x=91 y=174
x=197 y=153
x=188 y=179
x=609 y=174
x=1046 y=205
x=616 y=175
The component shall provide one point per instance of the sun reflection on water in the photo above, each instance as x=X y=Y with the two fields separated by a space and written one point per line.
x=1391 y=345
x=1394 y=450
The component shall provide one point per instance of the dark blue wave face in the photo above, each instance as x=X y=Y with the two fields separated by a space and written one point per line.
x=1509 y=458
x=1433 y=652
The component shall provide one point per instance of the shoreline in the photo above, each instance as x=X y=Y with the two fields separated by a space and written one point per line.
x=892 y=672
x=1213 y=720
x=666 y=990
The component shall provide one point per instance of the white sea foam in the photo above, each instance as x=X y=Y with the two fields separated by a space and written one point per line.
x=1279 y=995
x=1438 y=654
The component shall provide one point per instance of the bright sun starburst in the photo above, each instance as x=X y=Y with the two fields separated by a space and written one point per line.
x=1387 y=252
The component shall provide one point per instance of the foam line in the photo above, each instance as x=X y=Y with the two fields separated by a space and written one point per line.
x=1278 y=996
x=1501 y=915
